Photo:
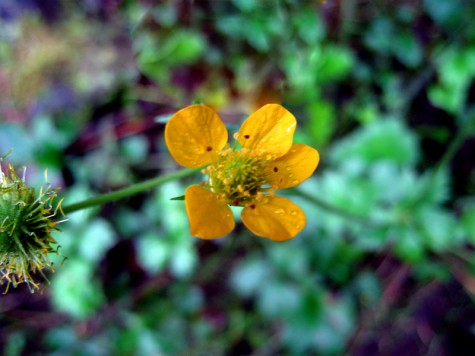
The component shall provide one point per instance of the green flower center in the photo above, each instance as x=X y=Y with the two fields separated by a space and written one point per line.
x=237 y=178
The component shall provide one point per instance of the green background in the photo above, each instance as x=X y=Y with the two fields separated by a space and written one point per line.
x=383 y=89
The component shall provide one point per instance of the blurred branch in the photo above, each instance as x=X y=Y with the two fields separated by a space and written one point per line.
x=334 y=209
x=468 y=119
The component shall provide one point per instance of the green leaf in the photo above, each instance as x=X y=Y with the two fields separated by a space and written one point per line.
x=385 y=140
x=247 y=277
x=166 y=14
x=437 y=228
x=246 y=5
x=445 y=12
x=278 y=300
x=334 y=64
x=256 y=35
x=408 y=244
x=183 y=260
x=181 y=197
x=448 y=98
x=75 y=289
x=134 y=148
x=157 y=55
x=96 y=239
x=380 y=35
x=153 y=252
x=321 y=124
x=468 y=223
x=456 y=70
x=368 y=288
x=407 y=49
x=309 y=25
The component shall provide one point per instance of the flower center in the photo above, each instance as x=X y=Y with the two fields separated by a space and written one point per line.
x=237 y=178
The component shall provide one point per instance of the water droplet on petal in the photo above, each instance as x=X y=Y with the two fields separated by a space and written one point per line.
x=293 y=212
x=295 y=181
x=288 y=168
x=298 y=226
x=279 y=211
x=291 y=175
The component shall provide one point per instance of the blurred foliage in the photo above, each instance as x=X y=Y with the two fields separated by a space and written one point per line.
x=384 y=90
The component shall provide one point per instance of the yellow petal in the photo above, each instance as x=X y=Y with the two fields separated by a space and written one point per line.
x=195 y=135
x=278 y=219
x=268 y=132
x=294 y=167
x=209 y=219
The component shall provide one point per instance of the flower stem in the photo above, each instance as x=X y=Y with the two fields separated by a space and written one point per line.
x=334 y=209
x=126 y=192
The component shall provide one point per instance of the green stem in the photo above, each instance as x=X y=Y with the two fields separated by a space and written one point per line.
x=131 y=190
x=468 y=121
x=334 y=209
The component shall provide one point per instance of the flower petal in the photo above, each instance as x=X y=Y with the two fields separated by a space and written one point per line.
x=269 y=131
x=195 y=135
x=209 y=219
x=294 y=167
x=278 y=219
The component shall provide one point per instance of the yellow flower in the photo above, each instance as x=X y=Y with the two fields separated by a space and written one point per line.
x=247 y=177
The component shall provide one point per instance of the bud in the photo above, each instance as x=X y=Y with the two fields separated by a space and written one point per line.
x=27 y=219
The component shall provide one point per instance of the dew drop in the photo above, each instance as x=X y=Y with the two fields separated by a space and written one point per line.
x=279 y=211
x=295 y=181
x=298 y=226
x=287 y=168
x=291 y=175
x=293 y=212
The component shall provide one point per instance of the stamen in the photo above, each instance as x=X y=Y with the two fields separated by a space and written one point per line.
x=238 y=177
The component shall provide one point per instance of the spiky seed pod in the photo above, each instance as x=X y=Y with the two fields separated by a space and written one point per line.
x=27 y=219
